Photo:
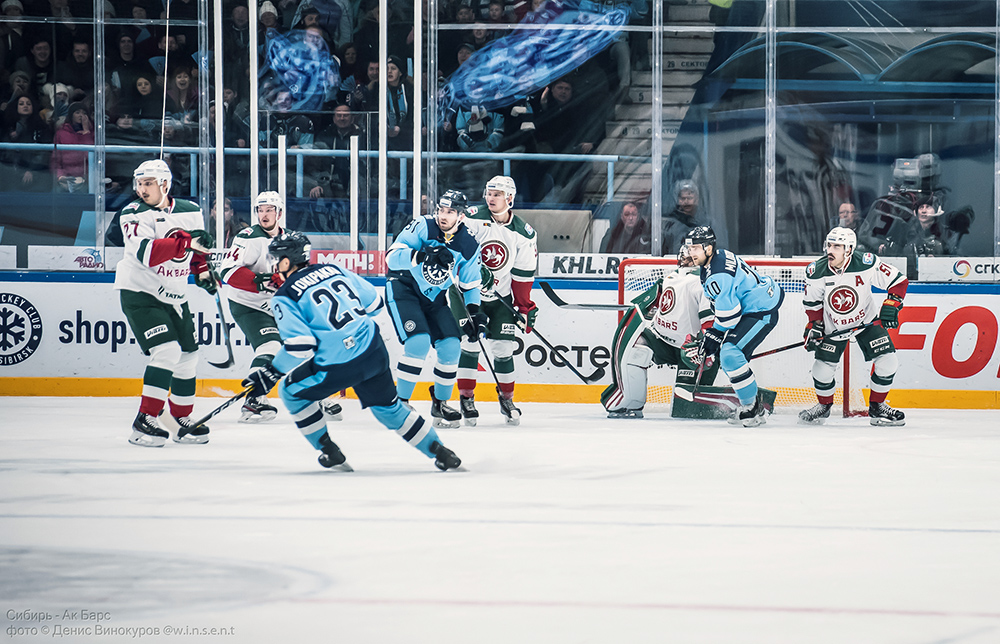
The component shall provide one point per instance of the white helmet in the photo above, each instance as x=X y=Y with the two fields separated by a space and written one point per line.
x=271 y=198
x=155 y=168
x=843 y=236
x=501 y=182
x=685 y=263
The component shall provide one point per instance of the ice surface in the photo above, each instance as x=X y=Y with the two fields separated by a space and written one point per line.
x=569 y=528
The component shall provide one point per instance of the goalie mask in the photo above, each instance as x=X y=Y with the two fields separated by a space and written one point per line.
x=685 y=263
x=270 y=198
x=506 y=184
x=156 y=169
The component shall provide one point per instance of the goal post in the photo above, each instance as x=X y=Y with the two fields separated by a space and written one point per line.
x=789 y=373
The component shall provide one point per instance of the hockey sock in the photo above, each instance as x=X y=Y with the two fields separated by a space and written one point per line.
x=411 y=363
x=156 y=379
x=183 y=386
x=824 y=380
x=468 y=371
x=446 y=370
x=408 y=424
x=744 y=383
x=882 y=374
x=308 y=417
x=264 y=354
x=505 y=376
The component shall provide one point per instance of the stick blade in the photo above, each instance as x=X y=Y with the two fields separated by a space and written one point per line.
x=224 y=365
x=596 y=376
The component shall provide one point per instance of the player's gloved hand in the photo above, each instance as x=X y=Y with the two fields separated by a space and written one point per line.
x=690 y=348
x=476 y=325
x=437 y=256
x=889 y=315
x=201 y=240
x=526 y=321
x=264 y=283
x=204 y=278
x=486 y=275
x=262 y=380
x=710 y=344
x=277 y=279
x=813 y=335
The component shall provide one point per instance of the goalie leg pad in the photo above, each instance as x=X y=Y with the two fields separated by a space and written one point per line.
x=633 y=372
x=630 y=357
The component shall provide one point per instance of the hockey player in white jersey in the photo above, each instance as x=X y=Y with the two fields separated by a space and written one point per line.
x=330 y=342
x=424 y=260
x=509 y=250
x=667 y=316
x=250 y=282
x=838 y=297
x=165 y=242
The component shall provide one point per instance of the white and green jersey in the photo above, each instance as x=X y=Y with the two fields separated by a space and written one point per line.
x=147 y=267
x=509 y=250
x=675 y=307
x=845 y=300
x=246 y=259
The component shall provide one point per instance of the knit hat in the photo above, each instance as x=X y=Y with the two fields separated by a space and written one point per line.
x=268 y=7
x=110 y=8
x=18 y=74
x=73 y=107
x=11 y=3
x=398 y=62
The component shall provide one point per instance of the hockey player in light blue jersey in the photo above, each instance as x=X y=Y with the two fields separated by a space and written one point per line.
x=426 y=258
x=746 y=310
x=330 y=342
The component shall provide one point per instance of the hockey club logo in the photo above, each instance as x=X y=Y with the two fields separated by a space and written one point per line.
x=20 y=329
x=495 y=255
x=184 y=254
x=667 y=300
x=844 y=300
x=409 y=326
x=435 y=274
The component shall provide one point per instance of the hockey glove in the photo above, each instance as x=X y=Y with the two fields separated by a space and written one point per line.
x=889 y=315
x=486 y=275
x=813 y=335
x=476 y=325
x=529 y=313
x=264 y=283
x=709 y=345
x=201 y=240
x=690 y=349
x=437 y=257
x=262 y=380
x=204 y=278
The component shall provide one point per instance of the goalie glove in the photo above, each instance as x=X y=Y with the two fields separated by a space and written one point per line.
x=889 y=315
x=813 y=335
x=476 y=325
x=262 y=380
x=709 y=346
x=204 y=278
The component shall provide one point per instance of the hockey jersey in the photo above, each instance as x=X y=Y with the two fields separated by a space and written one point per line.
x=509 y=250
x=675 y=307
x=151 y=264
x=326 y=313
x=248 y=258
x=845 y=300
x=431 y=281
x=734 y=288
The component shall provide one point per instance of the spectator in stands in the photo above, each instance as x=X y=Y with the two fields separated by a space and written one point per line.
x=349 y=63
x=11 y=35
x=62 y=28
x=25 y=170
x=19 y=84
x=123 y=64
x=299 y=131
x=69 y=167
x=361 y=88
x=182 y=96
x=337 y=136
x=479 y=130
x=37 y=64
x=55 y=104
x=268 y=20
x=926 y=236
x=682 y=218
x=236 y=36
x=140 y=113
x=231 y=224
x=630 y=235
x=847 y=217
x=78 y=69
x=567 y=124
x=400 y=100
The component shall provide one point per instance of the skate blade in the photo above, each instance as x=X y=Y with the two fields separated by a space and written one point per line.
x=881 y=422
x=513 y=421
x=343 y=467
x=263 y=417
x=441 y=423
x=145 y=440
x=756 y=421
x=471 y=422
x=815 y=421
x=191 y=440
x=334 y=417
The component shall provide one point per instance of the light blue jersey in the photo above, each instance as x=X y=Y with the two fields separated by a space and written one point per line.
x=735 y=289
x=423 y=233
x=324 y=311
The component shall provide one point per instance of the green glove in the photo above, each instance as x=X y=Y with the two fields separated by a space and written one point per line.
x=486 y=275
x=201 y=240
x=264 y=283
x=207 y=282
x=889 y=315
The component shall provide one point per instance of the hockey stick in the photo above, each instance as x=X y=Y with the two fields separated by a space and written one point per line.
x=230 y=360
x=547 y=289
x=217 y=410
x=592 y=378
x=847 y=334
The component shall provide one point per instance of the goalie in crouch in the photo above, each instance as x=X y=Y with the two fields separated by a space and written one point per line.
x=838 y=297
x=670 y=314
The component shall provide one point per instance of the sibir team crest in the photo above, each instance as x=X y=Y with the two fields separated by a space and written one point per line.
x=20 y=329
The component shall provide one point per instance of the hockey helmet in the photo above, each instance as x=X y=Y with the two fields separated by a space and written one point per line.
x=293 y=245
x=500 y=182
x=703 y=235
x=685 y=263
x=845 y=237
x=454 y=199
x=156 y=168
x=271 y=198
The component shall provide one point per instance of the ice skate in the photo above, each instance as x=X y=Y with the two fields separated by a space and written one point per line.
x=184 y=430
x=511 y=413
x=753 y=415
x=331 y=456
x=257 y=410
x=331 y=409
x=146 y=431
x=469 y=411
x=816 y=414
x=882 y=414
x=444 y=458
x=625 y=413
x=444 y=416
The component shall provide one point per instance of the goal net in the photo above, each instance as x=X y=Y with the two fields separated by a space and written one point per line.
x=789 y=372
